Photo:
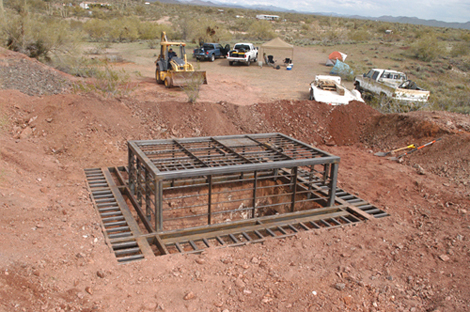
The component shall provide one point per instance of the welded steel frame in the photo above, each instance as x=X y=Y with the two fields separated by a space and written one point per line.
x=205 y=161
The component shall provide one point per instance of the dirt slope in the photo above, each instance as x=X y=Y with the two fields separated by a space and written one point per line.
x=54 y=258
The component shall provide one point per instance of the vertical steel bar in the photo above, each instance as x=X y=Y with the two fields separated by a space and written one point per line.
x=209 y=205
x=155 y=200
x=326 y=168
x=333 y=178
x=255 y=186
x=275 y=173
x=294 y=187
x=139 y=181
x=310 y=181
x=159 y=212
x=147 y=193
x=131 y=170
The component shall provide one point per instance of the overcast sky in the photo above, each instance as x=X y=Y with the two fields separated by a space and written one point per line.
x=441 y=10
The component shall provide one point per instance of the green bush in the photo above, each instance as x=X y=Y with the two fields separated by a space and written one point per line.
x=97 y=29
x=427 y=48
x=192 y=86
x=387 y=105
x=460 y=48
x=105 y=79
x=203 y=30
x=359 y=35
x=124 y=29
x=38 y=36
x=261 y=30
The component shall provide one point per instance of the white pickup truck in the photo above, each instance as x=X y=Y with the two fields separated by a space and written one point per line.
x=392 y=84
x=242 y=53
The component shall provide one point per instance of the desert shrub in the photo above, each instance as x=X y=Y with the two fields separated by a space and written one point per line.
x=97 y=29
x=124 y=29
x=427 y=48
x=203 y=30
x=463 y=65
x=388 y=105
x=38 y=36
x=460 y=48
x=106 y=79
x=192 y=85
x=261 y=30
x=140 y=10
x=457 y=102
x=77 y=66
x=358 y=35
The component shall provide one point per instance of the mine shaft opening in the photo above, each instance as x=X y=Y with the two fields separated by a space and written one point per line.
x=185 y=195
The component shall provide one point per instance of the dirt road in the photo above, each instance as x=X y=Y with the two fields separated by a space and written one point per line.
x=54 y=257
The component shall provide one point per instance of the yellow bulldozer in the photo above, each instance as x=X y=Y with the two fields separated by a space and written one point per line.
x=174 y=70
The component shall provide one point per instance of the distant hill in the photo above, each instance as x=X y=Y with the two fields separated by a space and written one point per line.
x=418 y=21
x=271 y=8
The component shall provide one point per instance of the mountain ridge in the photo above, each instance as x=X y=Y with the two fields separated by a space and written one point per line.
x=271 y=8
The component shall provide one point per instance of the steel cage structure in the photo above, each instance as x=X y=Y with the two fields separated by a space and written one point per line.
x=199 y=182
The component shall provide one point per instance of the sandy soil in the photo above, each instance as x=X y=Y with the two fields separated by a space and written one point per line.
x=54 y=257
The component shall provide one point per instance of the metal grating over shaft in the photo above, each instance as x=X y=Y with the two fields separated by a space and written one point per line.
x=184 y=195
x=214 y=152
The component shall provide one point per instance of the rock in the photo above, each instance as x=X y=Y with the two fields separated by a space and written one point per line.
x=89 y=290
x=340 y=286
x=100 y=274
x=26 y=133
x=190 y=295
x=151 y=306
x=49 y=120
x=419 y=169
x=200 y=261
x=254 y=260
x=348 y=300
x=444 y=258
x=80 y=295
x=239 y=283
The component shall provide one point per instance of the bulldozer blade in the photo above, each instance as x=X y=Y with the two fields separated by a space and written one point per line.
x=184 y=79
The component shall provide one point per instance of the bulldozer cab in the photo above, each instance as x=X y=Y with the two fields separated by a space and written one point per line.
x=173 y=68
x=169 y=54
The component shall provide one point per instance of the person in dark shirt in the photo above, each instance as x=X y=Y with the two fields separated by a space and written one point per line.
x=171 y=54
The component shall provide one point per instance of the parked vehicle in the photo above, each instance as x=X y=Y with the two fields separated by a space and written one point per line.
x=172 y=69
x=211 y=51
x=328 y=89
x=243 y=53
x=392 y=84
